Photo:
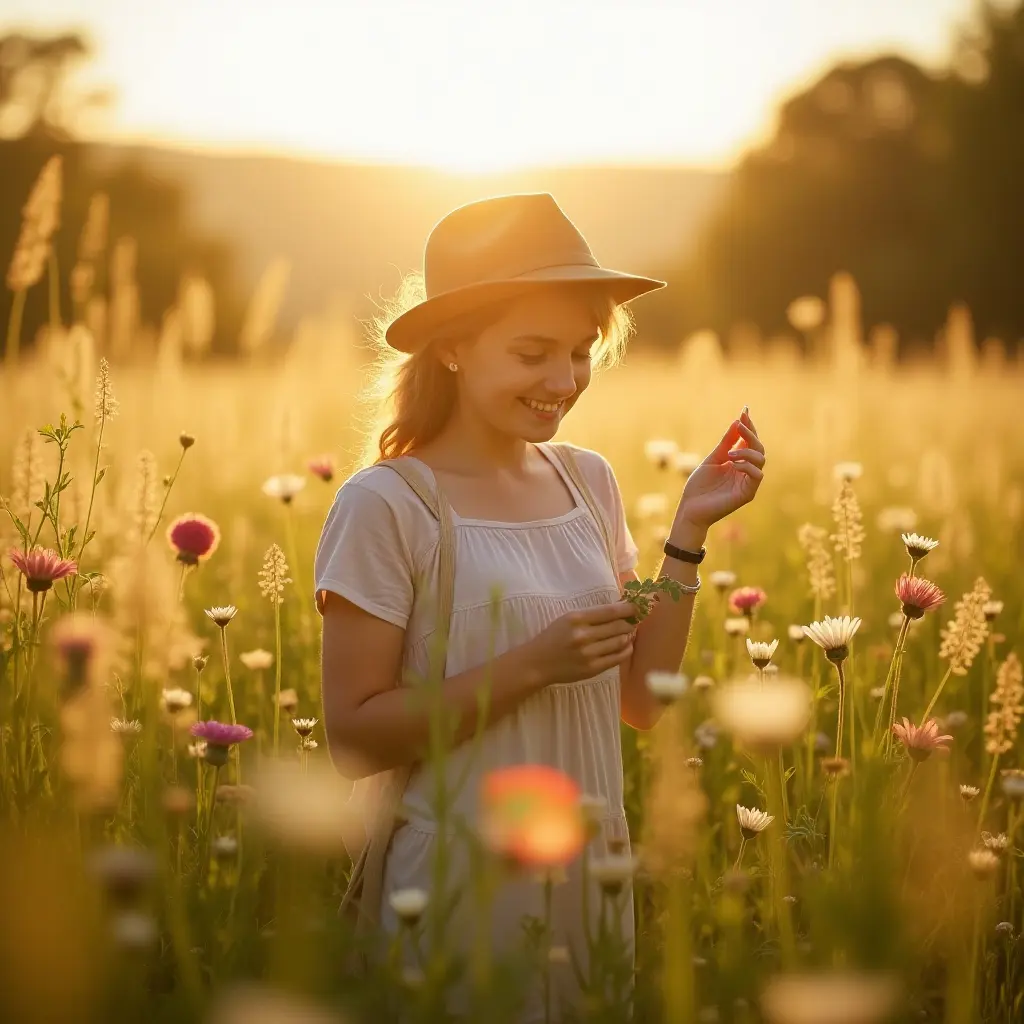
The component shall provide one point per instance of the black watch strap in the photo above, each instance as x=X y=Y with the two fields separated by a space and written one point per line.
x=696 y=557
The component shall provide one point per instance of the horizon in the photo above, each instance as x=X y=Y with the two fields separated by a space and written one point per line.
x=479 y=120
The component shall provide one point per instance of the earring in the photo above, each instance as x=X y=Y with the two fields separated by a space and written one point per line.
x=453 y=367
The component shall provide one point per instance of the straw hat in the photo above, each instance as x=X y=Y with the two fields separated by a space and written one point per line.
x=499 y=247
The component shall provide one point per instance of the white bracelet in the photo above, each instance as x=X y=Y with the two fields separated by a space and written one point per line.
x=689 y=588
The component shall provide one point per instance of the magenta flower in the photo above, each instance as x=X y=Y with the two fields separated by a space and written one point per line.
x=220 y=734
x=921 y=740
x=918 y=595
x=747 y=599
x=323 y=467
x=42 y=567
x=193 y=537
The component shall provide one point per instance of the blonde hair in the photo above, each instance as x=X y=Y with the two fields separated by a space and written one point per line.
x=413 y=395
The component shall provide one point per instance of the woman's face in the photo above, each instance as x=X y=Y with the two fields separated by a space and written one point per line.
x=523 y=374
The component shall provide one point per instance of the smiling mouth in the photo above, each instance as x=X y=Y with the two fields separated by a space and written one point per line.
x=543 y=408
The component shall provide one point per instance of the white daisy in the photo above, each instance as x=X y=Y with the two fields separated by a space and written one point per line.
x=283 y=486
x=175 y=700
x=752 y=822
x=833 y=635
x=918 y=546
x=667 y=686
x=613 y=871
x=847 y=471
x=737 y=625
x=408 y=904
x=722 y=579
x=660 y=451
x=222 y=614
x=761 y=652
x=256 y=659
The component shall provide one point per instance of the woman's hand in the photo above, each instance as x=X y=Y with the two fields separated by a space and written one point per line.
x=728 y=478
x=582 y=644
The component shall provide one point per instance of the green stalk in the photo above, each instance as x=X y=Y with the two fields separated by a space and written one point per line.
x=936 y=695
x=14 y=328
x=277 y=674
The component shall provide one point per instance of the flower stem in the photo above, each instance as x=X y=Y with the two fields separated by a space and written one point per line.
x=277 y=675
x=935 y=696
x=548 y=891
x=988 y=790
x=14 y=328
x=739 y=856
x=889 y=685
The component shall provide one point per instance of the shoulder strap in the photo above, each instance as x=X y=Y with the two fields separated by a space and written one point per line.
x=366 y=882
x=568 y=461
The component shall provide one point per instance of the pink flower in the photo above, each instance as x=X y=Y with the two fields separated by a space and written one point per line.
x=42 y=567
x=193 y=537
x=921 y=740
x=323 y=467
x=220 y=734
x=918 y=595
x=746 y=599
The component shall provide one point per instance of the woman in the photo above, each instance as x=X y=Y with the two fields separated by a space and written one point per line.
x=516 y=315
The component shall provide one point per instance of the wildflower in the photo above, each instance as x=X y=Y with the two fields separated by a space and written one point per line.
x=996 y=843
x=746 y=600
x=806 y=312
x=284 y=486
x=40 y=219
x=752 y=822
x=225 y=847
x=737 y=625
x=706 y=734
x=199 y=661
x=796 y=633
x=82 y=642
x=222 y=614
x=835 y=767
x=983 y=862
x=1008 y=700
x=194 y=537
x=126 y=726
x=896 y=517
x=307 y=743
x=820 y=567
x=847 y=471
x=968 y=793
x=956 y=720
x=837 y=996
x=1011 y=782
x=660 y=452
x=612 y=872
x=307 y=809
x=686 y=462
x=256 y=659
x=531 y=815
x=408 y=904
x=288 y=700
x=272 y=577
x=175 y=700
x=918 y=595
x=763 y=716
x=918 y=546
x=107 y=406
x=219 y=737
x=323 y=467
x=197 y=749
x=235 y=793
x=991 y=610
x=1005 y=928
x=833 y=636
x=123 y=871
x=722 y=579
x=42 y=567
x=666 y=687
x=186 y=441
x=849 y=533
x=133 y=929
x=696 y=763
x=304 y=726
x=760 y=652
x=921 y=740
x=822 y=742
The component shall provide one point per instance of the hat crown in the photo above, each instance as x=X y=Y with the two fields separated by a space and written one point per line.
x=501 y=238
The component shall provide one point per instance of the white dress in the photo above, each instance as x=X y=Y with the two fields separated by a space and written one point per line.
x=377 y=542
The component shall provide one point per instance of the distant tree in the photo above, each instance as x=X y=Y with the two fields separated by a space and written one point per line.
x=909 y=181
x=39 y=112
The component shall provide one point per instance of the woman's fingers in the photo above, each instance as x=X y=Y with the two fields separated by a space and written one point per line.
x=749 y=468
x=599 y=665
x=603 y=630
x=747 y=455
x=611 y=645
x=750 y=436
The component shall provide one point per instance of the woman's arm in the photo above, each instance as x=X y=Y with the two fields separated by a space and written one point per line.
x=662 y=637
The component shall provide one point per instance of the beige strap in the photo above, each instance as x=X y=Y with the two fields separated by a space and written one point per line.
x=366 y=882
x=575 y=474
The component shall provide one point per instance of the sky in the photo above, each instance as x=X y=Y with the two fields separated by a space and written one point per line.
x=475 y=84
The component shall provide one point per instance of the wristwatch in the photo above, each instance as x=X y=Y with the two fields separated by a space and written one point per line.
x=683 y=555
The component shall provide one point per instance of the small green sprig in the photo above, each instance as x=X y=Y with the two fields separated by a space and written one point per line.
x=641 y=593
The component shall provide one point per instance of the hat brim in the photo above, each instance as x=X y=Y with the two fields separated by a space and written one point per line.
x=415 y=327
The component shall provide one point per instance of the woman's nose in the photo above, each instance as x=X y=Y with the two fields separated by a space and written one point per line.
x=561 y=381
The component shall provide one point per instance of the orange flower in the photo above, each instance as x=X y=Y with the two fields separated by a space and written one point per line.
x=531 y=814
x=42 y=567
x=921 y=740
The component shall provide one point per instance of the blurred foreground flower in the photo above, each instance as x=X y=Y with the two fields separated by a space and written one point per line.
x=613 y=872
x=921 y=741
x=531 y=814
x=763 y=716
x=408 y=904
x=847 y=471
x=666 y=687
x=918 y=595
x=660 y=451
x=984 y=863
x=42 y=567
x=307 y=810
x=284 y=486
x=831 y=997
x=194 y=537
x=736 y=625
x=251 y=1004
x=256 y=659
x=722 y=579
x=746 y=600
x=85 y=644
x=322 y=466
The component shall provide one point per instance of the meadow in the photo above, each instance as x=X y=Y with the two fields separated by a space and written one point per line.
x=155 y=868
